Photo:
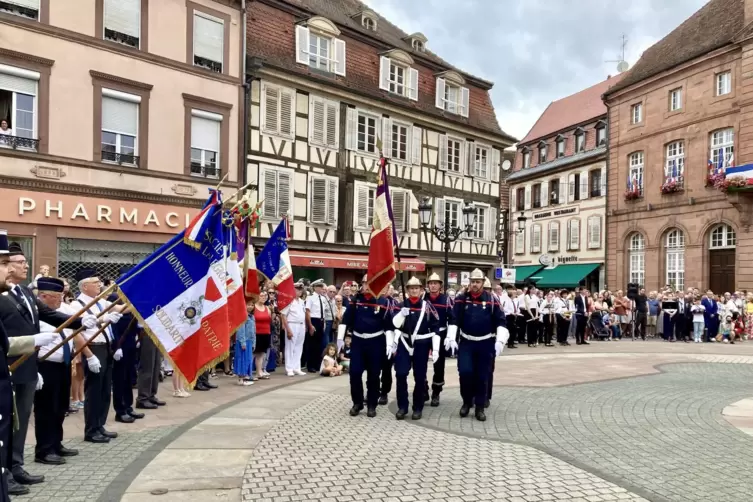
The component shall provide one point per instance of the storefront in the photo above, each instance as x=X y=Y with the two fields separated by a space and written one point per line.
x=68 y=232
x=336 y=268
x=568 y=276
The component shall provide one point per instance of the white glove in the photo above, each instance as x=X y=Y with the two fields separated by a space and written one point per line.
x=390 y=336
x=502 y=335
x=341 y=336
x=42 y=339
x=435 y=341
x=113 y=317
x=405 y=311
x=89 y=321
x=93 y=363
x=139 y=326
x=451 y=340
x=118 y=355
x=40 y=382
x=498 y=348
x=399 y=318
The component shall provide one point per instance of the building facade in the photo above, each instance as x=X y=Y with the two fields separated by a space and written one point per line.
x=681 y=109
x=118 y=116
x=558 y=187
x=333 y=83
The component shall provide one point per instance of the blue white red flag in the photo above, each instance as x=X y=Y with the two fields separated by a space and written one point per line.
x=195 y=230
x=247 y=259
x=274 y=264
x=381 y=270
x=179 y=295
x=236 y=300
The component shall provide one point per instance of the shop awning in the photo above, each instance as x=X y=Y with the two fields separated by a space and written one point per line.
x=523 y=272
x=564 y=276
x=341 y=260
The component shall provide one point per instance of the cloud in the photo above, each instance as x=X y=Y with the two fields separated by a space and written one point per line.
x=536 y=51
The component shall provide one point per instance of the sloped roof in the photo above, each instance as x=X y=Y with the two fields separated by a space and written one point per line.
x=575 y=109
x=553 y=165
x=713 y=26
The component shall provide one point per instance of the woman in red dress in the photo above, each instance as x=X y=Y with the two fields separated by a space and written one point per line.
x=263 y=318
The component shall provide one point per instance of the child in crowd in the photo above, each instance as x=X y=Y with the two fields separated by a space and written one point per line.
x=244 y=347
x=725 y=329
x=344 y=355
x=329 y=365
x=738 y=330
x=698 y=323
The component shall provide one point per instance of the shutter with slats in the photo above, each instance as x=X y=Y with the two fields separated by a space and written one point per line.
x=351 y=136
x=439 y=212
x=528 y=198
x=119 y=116
x=384 y=73
x=269 y=193
x=574 y=234
x=317 y=123
x=362 y=207
x=387 y=137
x=205 y=134
x=465 y=99
x=554 y=236
x=319 y=211
x=398 y=209
x=570 y=187
x=333 y=124
x=413 y=84
x=269 y=119
x=594 y=232
x=513 y=193
x=123 y=16
x=284 y=193
x=496 y=157
x=332 y=201
x=442 y=161
x=302 y=45
x=492 y=225
x=470 y=159
x=340 y=57
x=287 y=113
x=584 y=185
x=208 y=35
x=545 y=193
x=439 y=100
x=416 y=146
x=603 y=181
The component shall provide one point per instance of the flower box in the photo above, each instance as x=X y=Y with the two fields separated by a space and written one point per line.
x=672 y=186
x=734 y=184
x=633 y=195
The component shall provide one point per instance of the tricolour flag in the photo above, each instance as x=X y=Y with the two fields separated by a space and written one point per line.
x=381 y=270
x=236 y=300
x=247 y=259
x=194 y=233
x=274 y=264
x=179 y=295
x=746 y=171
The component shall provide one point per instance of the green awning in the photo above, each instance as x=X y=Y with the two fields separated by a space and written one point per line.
x=564 y=276
x=523 y=272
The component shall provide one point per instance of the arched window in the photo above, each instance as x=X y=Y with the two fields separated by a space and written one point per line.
x=723 y=237
x=637 y=259
x=675 y=249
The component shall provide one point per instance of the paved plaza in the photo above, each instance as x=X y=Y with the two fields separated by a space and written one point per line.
x=611 y=421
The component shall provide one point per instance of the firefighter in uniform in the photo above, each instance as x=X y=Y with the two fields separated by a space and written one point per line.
x=370 y=321
x=481 y=323
x=416 y=336
x=443 y=306
x=388 y=361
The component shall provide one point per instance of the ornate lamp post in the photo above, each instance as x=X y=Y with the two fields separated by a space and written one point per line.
x=447 y=234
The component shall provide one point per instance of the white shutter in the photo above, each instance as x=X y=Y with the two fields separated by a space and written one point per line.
x=333 y=124
x=573 y=234
x=496 y=156
x=544 y=193
x=584 y=185
x=603 y=181
x=513 y=207
x=384 y=73
x=442 y=162
x=318 y=211
x=439 y=212
x=269 y=193
x=562 y=195
x=123 y=16
x=386 y=137
x=554 y=236
x=528 y=198
x=362 y=206
x=465 y=101
x=205 y=134
x=351 y=136
x=119 y=116
x=398 y=209
x=287 y=113
x=412 y=84
x=439 y=100
x=408 y=215
x=317 y=123
x=339 y=57
x=416 y=146
x=302 y=45
x=270 y=109
x=470 y=158
x=284 y=193
x=208 y=37
x=491 y=221
x=18 y=80
x=594 y=232
x=570 y=187
x=332 y=201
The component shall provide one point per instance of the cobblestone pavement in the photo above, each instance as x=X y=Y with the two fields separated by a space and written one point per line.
x=320 y=453
x=661 y=435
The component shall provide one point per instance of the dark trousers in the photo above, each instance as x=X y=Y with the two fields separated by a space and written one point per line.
x=314 y=349
x=490 y=383
x=24 y=404
x=386 y=376
x=437 y=381
x=97 y=391
x=6 y=434
x=512 y=327
x=563 y=328
x=474 y=361
x=366 y=354
x=669 y=326
x=580 y=328
x=148 y=378
x=640 y=324
x=122 y=390
x=712 y=327
x=327 y=335
x=522 y=327
x=50 y=406
x=532 y=328
x=419 y=362
x=550 y=326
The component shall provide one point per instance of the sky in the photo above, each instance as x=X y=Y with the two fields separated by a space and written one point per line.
x=536 y=51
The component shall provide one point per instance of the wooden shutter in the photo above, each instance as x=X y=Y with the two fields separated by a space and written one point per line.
x=603 y=181
x=491 y=224
x=439 y=212
x=351 y=135
x=412 y=84
x=594 y=232
x=387 y=137
x=287 y=113
x=317 y=123
x=496 y=156
x=332 y=201
x=339 y=57
x=527 y=198
x=318 y=206
x=545 y=193
x=284 y=193
x=442 y=161
x=470 y=159
x=513 y=193
x=384 y=73
x=270 y=116
x=439 y=100
x=301 y=45
x=465 y=98
x=416 y=146
x=269 y=192
x=362 y=206
x=333 y=124
x=398 y=209
x=554 y=236
x=570 y=187
x=584 y=182
x=574 y=234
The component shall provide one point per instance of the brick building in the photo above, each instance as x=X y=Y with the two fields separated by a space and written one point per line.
x=331 y=80
x=687 y=101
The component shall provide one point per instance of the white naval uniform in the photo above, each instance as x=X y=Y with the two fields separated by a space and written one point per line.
x=295 y=314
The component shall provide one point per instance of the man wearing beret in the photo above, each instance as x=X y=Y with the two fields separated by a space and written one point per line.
x=21 y=314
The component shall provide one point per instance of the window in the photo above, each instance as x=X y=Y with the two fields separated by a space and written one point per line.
x=573 y=235
x=542 y=153
x=580 y=140
x=278 y=111
x=637 y=259
x=401 y=209
x=323 y=199
x=601 y=136
x=120 y=119
x=208 y=41
x=520 y=198
x=481 y=162
x=18 y=106
x=451 y=154
x=400 y=139
x=398 y=78
x=535 y=238
x=484 y=224
x=23 y=8
x=722 y=148
x=449 y=213
x=595 y=183
x=418 y=45
x=536 y=195
x=723 y=83
x=594 y=232
x=723 y=237
x=675 y=165
x=276 y=192
x=636 y=113
x=554 y=236
x=635 y=178
x=452 y=97
x=122 y=23
x=324 y=122
x=320 y=51
x=365 y=194
x=520 y=242
x=560 y=147
x=526 y=159
x=675 y=99
x=367 y=133
x=205 y=143
x=554 y=191
x=675 y=248
x=576 y=186
x=369 y=23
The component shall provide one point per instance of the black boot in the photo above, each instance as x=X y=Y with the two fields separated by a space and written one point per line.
x=400 y=415
x=434 y=401
x=480 y=415
x=416 y=415
x=487 y=403
x=371 y=412
x=383 y=399
x=465 y=410
x=355 y=410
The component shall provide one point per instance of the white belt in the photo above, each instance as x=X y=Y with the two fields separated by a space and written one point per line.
x=297 y=323
x=476 y=338
x=366 y=336
x=417 y=337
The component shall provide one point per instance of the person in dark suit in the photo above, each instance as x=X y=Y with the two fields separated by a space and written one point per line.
x=20 y=313
x=581 y=316
x=684 y=324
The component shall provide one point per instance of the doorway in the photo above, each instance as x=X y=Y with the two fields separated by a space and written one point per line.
x=722 y=259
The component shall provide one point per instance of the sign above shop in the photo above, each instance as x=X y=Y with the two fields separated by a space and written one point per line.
x=545 y=259
x=554 y=213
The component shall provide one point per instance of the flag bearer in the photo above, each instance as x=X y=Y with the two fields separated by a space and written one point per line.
x=483 y=334
x=388 y=361
x=443 y=306
x=370 y=320
x=416 y=336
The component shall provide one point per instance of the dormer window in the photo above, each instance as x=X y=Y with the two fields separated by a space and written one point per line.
x=418 y=46
x=318 y=47
x=542 y=152
x=451 y=95
x=601 y=133
x=367 y=18
x=526 y=158
x=397 y=76
x=369 y=24
x=580 y=140
x=417 y=42
x=560 y=145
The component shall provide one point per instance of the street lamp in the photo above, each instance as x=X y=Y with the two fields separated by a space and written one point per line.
x=506 y=232
x=522 y=222
x=446 y=233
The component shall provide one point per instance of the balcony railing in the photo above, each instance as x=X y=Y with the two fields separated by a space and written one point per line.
x=204 y=171
x=207 y=63
x=19 y=143
x=536 y=203
x=121 y=38
x=18 y=10
x=120 y=158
